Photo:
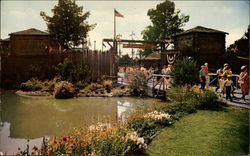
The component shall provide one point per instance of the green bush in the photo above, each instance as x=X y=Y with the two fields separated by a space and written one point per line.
x=64 y=90
x=209 y=101
x=80 y=85
x=179 y=107
x=137 y=82
x=181 y=94
x=49 y=85
x=187 y=100
x=185 y=72
x=73 y=73
x=33 y=70
x=31 y=85
x=93 y=87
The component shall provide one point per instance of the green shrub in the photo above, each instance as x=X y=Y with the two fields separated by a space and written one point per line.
x=31 y=85
x=137 y=82
x=33 y=70
x=64 y=90
x=185 y=72
x=73 y=73
x=93 y=87
x=80 y=85
x=179 y=107
x=181 y=93
x=107 y=84
x=49 y=85
x=209 y=101
x=187 y=99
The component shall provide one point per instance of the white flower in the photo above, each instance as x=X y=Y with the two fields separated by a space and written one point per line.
x=138 y=140
x=157 y=115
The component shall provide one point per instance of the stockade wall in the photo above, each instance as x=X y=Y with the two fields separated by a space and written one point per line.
x=16 y=69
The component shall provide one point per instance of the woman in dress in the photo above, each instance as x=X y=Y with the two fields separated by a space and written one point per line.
x=244 y=81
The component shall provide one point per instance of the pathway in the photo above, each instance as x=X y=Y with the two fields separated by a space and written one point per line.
x=237 y=101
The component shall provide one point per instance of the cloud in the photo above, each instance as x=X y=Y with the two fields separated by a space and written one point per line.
x=223 y=10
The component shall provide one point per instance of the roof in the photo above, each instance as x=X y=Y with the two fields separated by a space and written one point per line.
x=31 y=31
x=5 y=40
x=154 y=56
x=201 y=29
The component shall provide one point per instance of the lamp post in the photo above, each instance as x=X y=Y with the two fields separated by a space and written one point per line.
x=132 y=35
x=94 y=44
x=118 y=38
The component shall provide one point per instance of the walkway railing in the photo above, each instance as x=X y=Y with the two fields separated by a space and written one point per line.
x=160 y=82
x=213 y=77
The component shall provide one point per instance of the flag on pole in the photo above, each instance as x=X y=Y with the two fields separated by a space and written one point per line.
x=117 y=14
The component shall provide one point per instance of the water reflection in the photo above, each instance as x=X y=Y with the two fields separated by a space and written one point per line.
x=10 y=145
x=34 y=117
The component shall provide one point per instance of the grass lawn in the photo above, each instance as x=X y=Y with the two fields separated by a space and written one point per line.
x=213 y=133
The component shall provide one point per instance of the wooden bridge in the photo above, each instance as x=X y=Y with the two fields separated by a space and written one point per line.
x=157 y=84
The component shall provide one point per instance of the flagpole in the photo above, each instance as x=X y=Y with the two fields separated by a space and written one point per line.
x=114 y=43
x=102 y=45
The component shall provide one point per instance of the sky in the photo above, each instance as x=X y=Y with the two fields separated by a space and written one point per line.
x=229 y=16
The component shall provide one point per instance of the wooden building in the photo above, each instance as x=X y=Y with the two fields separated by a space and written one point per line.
x=29 y=42
x=205 y=44
x=28 y=54
x=153 y=60
x=5 y=46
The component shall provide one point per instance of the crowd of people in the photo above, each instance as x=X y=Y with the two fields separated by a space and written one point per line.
x=225 y=84
x=224 y=75
x=165 y=70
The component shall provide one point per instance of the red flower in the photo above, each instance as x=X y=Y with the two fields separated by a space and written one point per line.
x=64 y=139
x=49 y=152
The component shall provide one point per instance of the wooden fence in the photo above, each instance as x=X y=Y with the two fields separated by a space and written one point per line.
x=16 y=69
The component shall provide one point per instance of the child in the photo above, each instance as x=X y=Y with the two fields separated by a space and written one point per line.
x=229 y=86
x=221 y=85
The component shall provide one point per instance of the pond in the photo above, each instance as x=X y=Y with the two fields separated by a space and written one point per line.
x=32 y=118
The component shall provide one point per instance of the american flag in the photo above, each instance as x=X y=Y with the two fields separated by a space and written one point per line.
x=118 y=14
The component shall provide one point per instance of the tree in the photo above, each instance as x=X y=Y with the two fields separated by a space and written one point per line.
x=185 y=72
x=125 y=60
x=241 y=46
x=166 y=21
x=68 y=24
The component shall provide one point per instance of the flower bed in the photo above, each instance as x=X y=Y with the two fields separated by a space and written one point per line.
x=101 y=140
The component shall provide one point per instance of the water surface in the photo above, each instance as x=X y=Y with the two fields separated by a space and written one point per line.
x=32 y=118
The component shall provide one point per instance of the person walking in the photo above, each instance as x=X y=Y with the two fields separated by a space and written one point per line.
x=244 y=82
x=225 y=67
x=202 y=77
x=206 y=72
x=229 y=86
x=219 y=72
x=222 y=81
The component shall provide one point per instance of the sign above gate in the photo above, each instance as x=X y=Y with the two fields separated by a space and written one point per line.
x=140 y=46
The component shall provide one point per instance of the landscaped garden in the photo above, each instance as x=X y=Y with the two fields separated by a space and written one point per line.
x=191 y=121
x=211 y=128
